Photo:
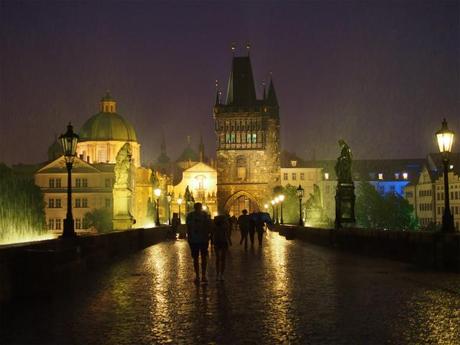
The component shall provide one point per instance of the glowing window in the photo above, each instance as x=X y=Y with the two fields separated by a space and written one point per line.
x=326 y=176
x=405 y=176
x=380 y=176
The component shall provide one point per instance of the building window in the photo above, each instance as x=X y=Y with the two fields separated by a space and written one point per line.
x=285 y=176
x=248 y=137
x=51 y=183
x=78 y=182
x=84 y=202
x=254 y=138
x=78 y=223
x=294 y=176
x=50 y=203
x=108 y=182
x=380 y=176
x=326 y=176
x=405 y=176
x=241 y=168
x=108 y=203
x=58 y=224
x=302 y=176
x=77 y=203
x=58 y=183
x=84 y=182
x=50 y=224
x=58 y=203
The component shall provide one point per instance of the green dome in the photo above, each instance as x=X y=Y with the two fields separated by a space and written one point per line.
x=107 y=126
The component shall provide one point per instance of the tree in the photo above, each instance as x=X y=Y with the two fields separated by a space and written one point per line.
x=100 y=219
x=383 y=212
x=22 y=208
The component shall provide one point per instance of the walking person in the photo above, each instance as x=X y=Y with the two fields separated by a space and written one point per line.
x=221 y=236
x=252 y=227
x=261 y=219
x=244 y=222
x=198 y=231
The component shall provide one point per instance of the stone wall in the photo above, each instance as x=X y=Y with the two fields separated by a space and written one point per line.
x=426 y=249
x=35 y=269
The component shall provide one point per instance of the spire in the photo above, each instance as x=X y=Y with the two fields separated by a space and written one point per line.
x=241 y=90
x=217 y=93
x=265 y=95
x=272 y=100
x=201 y=149
x=163 y=157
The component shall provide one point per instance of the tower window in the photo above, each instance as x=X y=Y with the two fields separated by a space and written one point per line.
x=254 y=138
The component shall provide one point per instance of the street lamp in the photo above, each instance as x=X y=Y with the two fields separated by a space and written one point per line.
x=281 y=199
x=157 y=193
x=69 y=146
x=179 y=202
x=169 y=198
x=300 y=196
x=445 y=138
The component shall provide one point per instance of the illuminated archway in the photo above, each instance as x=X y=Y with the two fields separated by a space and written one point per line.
x=239 y=201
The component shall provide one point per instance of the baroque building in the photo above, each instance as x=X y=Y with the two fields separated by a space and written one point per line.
x=248 y=142
x=93 y=174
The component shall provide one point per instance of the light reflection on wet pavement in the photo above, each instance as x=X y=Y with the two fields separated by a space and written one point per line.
x=287 y=292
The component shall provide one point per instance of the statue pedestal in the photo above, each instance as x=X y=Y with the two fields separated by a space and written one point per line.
x=122 y=218
x=345 y=205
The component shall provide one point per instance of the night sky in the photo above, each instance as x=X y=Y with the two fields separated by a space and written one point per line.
x=380 y=74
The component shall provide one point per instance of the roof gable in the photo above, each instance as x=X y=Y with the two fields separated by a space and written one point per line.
x=59 y=166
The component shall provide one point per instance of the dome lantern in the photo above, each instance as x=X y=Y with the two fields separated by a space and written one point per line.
x=108 y=104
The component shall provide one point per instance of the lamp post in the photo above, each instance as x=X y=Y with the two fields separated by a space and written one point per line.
x=157 y=193
x=169 y=198
x=300 y=196
x=281 y=199
x=69 y=146
x=179 y=202
x=445 y=138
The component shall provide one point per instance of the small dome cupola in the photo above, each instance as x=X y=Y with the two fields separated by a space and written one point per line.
x=108 y=104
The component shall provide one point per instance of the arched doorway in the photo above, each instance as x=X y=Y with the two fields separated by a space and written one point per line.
x=240 y=201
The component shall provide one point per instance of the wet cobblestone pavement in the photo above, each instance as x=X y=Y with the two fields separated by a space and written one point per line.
x=288 y=292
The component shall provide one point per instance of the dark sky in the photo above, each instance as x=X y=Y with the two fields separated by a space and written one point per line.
x=380 y=74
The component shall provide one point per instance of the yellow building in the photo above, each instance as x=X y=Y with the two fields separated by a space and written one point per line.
x=93 y=173
x=201 y=180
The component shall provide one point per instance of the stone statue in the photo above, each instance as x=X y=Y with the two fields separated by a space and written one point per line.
x=343 y=165
x=123 y=167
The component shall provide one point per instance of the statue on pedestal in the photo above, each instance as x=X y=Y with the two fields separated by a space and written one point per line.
x=123 y=189
x=345 y=192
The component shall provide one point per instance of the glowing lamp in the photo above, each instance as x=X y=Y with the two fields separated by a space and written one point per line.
x=179 y=201
x=69 y=142
x=300 y=192
x=281 y=197
x=157 y=192
x=445 y=138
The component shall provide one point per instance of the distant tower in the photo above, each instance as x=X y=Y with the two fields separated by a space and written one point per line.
x=248 y=136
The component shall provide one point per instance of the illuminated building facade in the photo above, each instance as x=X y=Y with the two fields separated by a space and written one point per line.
x=248 y=142
x=93 y=176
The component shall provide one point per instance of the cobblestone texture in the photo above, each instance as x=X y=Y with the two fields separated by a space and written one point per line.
x=288 y=292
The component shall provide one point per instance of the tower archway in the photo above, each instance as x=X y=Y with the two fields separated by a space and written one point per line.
x=239 y=201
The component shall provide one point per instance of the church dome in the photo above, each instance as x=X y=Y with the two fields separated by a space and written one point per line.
x=107 y=124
